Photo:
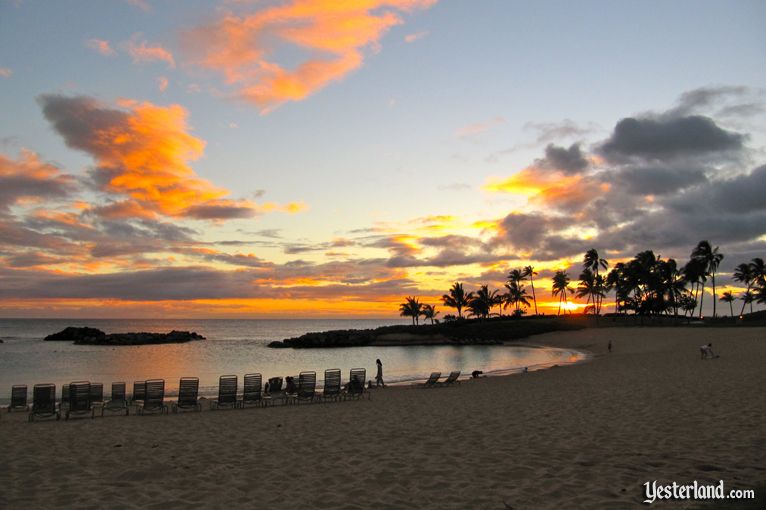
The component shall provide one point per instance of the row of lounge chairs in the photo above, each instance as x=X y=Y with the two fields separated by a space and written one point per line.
x=82 y=398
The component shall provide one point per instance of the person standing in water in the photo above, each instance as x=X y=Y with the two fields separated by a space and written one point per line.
x=379 y=375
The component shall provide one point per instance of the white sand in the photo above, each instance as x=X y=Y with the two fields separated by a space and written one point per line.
x=584 y=436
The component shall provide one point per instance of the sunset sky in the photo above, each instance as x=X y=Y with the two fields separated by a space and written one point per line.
x=299 y=158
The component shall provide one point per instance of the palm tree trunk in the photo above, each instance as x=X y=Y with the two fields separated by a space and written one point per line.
x=731 y=308
x=532 y=282
x=702 y=298
x=559 y=312
x=714 y=296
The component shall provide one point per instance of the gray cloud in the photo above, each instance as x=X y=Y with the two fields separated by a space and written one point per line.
x=656 y=180
x=666 y=139
x=570 y=161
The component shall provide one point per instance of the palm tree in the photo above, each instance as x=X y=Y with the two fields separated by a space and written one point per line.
x=728 y=297
x=747 y=298
x=695 y=273
x=411 y=308
x=516 y=296
x=529 y=272
x=592 y=261
x=429 y=312
x=482 y=302
x=744 y=273
x=560 y=287
x=457 y=298
x=759 y=277
x=587 y=287
x=712 y=259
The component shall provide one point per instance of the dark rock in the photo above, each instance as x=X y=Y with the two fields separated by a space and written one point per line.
x=74 y=334
x=91 y=336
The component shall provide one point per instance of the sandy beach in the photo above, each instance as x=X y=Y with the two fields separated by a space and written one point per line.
x=582 y=436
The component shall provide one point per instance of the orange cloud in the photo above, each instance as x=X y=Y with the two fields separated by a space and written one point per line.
x=142 y=51
x=334 y=34
x=142 y=152
x=101 y=46
x=550 y=188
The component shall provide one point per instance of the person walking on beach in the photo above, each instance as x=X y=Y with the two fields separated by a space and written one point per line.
x=379 y=375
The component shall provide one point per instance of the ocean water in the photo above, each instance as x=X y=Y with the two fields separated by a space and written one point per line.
x=234 y=347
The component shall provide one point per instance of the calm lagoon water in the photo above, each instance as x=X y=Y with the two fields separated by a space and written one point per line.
x=234 y=347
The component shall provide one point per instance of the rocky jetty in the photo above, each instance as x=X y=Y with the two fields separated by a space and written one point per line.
x=463 y=332
x=93 y=336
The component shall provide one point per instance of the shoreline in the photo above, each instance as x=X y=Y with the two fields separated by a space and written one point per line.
x=582 y=436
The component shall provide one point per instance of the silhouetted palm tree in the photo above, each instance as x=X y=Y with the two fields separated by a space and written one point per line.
x=516 y=296
x=429 y=312
x=728 y=297
x=411 y=308
x=560 y=288
x=747 y=298
x=744 y=273
x=592 y=261
x=457 y=298
x=529 y=272
x=482 y=302
x=587 y=287
x=759 y=277
x=695 y=273
x=712 y=258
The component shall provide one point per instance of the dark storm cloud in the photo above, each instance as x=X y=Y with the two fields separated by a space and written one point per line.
x=569 y=161
x=742 y=194
x=666 y=139
x=656 y=180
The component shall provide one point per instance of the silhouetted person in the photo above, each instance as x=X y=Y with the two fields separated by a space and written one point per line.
x=476 y=373
x=609 y=346
x=706 y=351
x=379 y=375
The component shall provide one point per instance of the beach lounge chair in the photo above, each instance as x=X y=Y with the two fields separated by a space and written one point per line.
x=275 y=384
x=252 y=393
x=451 y=378
x=64 y=404
x=331 y=390
x=97 y=394
x=188 y=389
x=139 y=392
x=118 y=400
x=80 y=402
x=154 y=400
x=43 y=402
x=227 y=392
x=355 y=386
x=18 y=398
x=432 y=380
x=307 y=384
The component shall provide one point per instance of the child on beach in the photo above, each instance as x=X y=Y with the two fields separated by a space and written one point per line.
x=379 y=375
x=706 y=351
